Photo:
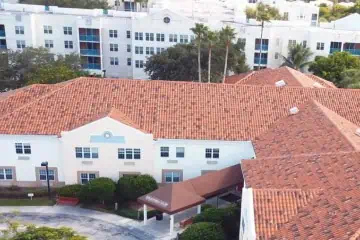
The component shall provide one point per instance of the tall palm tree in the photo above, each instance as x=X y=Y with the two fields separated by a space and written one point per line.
x=298 y=57
x=199 y=30
x=227 y=34
x=211 y=38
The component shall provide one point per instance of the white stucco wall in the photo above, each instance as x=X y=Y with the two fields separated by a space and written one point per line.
x=247 y=223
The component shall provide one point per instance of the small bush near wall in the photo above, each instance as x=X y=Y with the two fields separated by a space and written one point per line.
x=15 y=192
x=70 y=191
x=137 y=215
x=202 y=231
x=129 y=188
x=99 y=190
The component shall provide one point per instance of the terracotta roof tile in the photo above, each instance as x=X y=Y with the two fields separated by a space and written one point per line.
x=235 y=78
x=322 y=81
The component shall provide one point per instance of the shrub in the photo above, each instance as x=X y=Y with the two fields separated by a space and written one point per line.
x=22 y=193
x=70 y=190
x=33 y=233
x=133 y=214
x=98 y=190
x=129 y=188
x=201 y=231
x=206 y=206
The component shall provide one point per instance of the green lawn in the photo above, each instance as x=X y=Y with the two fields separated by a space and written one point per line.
x=26 y=202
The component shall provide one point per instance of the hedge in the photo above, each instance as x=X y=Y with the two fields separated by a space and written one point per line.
x=203 y=231
x=98 y=190
x=14 y=192
x=129 y=188
x=137 y=215
x=70 y=191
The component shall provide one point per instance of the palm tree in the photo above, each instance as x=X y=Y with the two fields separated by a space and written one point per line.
x=227 y=34
x=211 y=37
x=199 y=30
x=298 y=57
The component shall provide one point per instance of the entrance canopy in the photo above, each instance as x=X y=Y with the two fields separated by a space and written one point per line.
x=177 y=197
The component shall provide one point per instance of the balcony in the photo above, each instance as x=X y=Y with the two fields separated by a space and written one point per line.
x=263 y=61
x=3 y=47
x=353 y=51
x=90 y=52
x=333 y=50
x=2 y=33
x=89 y=38
x=264 y=47
x=95 y=66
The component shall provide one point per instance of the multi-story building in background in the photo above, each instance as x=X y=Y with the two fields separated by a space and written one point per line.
x=119 y=42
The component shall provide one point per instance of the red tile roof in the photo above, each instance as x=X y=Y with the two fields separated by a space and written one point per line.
x=176 y=110
x=321 y=81
x=236 y=78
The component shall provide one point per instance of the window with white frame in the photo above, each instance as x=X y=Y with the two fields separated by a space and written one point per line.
x=69 y=44
x=276 y=55
x=129 y=61
x=22 y=148
x=87 y=177
x=86 y=152
x=48 y=29
x=286 y=16
x=212 y=153
x=164 y=151
x=149 y=50
x=67 y=30
x=304 y=43
x=160 y=37
x=129 y=153
x=149 y=36
x=172 y=37
x=184 y=38
x=128 y=34
x=19 y=30
x=114 y=61
x=292 y=43
x=113 y=33
x=128 y=48
x=139 y=50
x=49 y=43
x=20 y=44
x=6 y=174
x=114 y=47
x=320 y=46
x=172 y=176
x=180 y=152
x=139 y=36
x=43 y=177
x=139 y=64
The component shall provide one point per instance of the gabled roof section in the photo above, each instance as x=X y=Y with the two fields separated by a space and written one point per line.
x=238 y=77
x=313 y=130
x=321 y=81
x=120 y=117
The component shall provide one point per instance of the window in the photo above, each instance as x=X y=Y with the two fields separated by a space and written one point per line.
x=252 y=1
x=184 y=38
x=160 y=37
x=139 y=63
x=320 y=46
x=19 y=30
x=114 y=61
x=113 y=33
x=129 y=61
x=139 y=36
x=114 y=47
x=286 y=16
x=171 y=177
x=164 y=151
x=86 y=152
x=67 y=30
x=87 y=177
x=149 y=50
x=242 y=41
x=304 y=43
x=149 y=36
x=276 y=55
x=173 y=38
x=128 y=48
x=48 y=30
x=23 y=148
x=69 y=44
x=6 y=174
x=212 y=153
x=158 y=50
x=42 y=175
x=292 y=43
x=49 y=43
x=139 y=50
x=180 y=152
x=129 y=153
x=336 y=45
x=128 y=34
x=20 y=44
x=314 y=17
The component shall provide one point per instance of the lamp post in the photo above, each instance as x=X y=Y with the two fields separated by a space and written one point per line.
x=46 y=165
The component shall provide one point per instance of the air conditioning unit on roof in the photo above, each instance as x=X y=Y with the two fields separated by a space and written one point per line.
x=357 y=132
x=294 y=110
x=280 y=83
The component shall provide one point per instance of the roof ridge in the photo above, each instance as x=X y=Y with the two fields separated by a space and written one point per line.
x=18 y=89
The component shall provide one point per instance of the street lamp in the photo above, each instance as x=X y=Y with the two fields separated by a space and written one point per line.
x=46 y=165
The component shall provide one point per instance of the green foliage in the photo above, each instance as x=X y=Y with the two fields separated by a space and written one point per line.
x=22 y=193
x=263 y=13
x=331 y=13
x=350 y=79
x=334 y=65
x=98 y=190
x=129 y=188
x=250 y=13
x=206 y=206
x=137 y=215
x=88 y=4
x=298 y=57
x=70 y=190
x=203 y=230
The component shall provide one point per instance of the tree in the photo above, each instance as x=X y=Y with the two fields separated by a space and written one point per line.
x=129 y=188
x=211 y=38
x=350 y=79
x=87 y=4
x=334 y=65
x=202 y=231
x=298 y=57
x=98 y=190
x=227 y=34
x=200 y=31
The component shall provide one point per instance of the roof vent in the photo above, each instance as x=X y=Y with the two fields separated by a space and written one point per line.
x=357 y=132
x=280 y=83
x=294 y=110
x=317 y=85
